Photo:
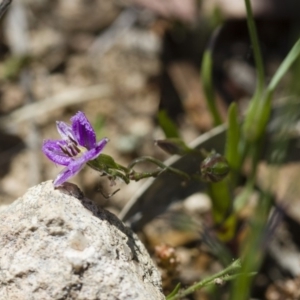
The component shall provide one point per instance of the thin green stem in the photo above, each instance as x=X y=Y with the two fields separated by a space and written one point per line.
x=110 y=172
x=138 y=176
x=159 y=164
x=253 y=250
x=256 y=50
x=124 y=169
x=233 y=138
x=236 y=265
x=231 y=277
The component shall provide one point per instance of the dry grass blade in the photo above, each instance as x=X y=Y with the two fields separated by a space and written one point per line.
x=4 y=6
x=47 y=105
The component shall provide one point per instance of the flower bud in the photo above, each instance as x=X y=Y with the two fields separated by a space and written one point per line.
x=214 y=167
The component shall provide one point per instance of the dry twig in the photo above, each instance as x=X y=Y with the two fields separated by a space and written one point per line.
x=110 y=36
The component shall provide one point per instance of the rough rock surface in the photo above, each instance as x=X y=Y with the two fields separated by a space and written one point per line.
x=56 y=246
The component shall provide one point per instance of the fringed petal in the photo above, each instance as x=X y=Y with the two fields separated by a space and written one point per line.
x=71 y=170
x=94 y=153
x=53 y=150
x=83 y=131
x=65 y=131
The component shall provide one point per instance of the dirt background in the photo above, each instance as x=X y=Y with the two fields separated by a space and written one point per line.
x=120 y=62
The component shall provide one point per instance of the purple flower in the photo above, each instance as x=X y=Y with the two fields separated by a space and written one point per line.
x=77 y=147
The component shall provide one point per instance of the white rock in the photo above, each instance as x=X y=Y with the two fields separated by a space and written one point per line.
x=198 y=202
x=53 y=247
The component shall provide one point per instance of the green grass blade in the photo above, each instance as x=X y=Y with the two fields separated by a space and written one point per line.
x=222 y=210
x=256 y=50
x=233 y=138
x=167 y=125
x=259 y=109
x=257 y=112
x=206 y=76
x=285 y=65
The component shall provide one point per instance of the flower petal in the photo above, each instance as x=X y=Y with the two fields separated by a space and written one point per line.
x=71 y=170
x=94 y=152
x=83 y=131
x=52 y=149
x=65 y=131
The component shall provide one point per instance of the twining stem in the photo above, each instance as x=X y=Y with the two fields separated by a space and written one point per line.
x=138 y=176
x=159 y=164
